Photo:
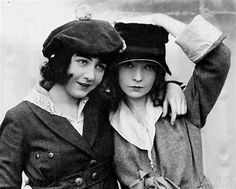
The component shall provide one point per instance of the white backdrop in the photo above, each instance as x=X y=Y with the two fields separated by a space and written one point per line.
x=24 y=25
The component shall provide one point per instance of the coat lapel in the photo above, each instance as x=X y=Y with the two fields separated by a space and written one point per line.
x=63 y=128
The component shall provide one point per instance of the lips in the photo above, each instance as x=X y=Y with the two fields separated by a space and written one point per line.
x=136 y=87
x=84 y=84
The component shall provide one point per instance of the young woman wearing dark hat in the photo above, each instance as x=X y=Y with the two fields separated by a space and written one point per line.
x=60 y=134
x=150 y=152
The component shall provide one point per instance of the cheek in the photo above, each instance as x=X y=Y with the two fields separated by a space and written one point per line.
x=122 y=79
x=151 y=77
x=99 y=77
x=124 y=76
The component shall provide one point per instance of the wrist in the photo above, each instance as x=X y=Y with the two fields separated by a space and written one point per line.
x=174 y=82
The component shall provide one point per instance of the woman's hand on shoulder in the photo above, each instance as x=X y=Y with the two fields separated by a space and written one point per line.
x=172 y=25
x=175 y=99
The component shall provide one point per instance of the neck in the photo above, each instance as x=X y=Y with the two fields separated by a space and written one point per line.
x=60 y=96
x=137 y=105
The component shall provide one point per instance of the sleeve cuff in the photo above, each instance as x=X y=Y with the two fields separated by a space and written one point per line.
x=199 y=38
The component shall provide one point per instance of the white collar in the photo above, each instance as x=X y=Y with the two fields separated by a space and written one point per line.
x=140 y=135
x=40 y=97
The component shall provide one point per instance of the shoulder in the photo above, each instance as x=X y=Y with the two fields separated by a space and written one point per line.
x=20 y=109
x=14 y=120
x=20 y=113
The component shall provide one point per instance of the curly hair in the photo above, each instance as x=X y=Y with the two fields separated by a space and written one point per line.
x=55 y=70
x=113 y=92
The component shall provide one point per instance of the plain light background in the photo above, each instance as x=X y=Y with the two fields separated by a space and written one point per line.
x=24 y=25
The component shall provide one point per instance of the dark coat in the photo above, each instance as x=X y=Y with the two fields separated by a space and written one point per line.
x=52 y=153
x=177 y=151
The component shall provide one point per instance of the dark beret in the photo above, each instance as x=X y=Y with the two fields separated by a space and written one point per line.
x=144 y=42
x=89 y=37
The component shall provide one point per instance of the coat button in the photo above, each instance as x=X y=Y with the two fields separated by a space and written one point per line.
x=93 y=163
x=37 y=156
x=95 y=176
x=50 y=154
x=79 y=181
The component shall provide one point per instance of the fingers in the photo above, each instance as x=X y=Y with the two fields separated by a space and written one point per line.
x=165 y=108
x=183 y=107
x=27 y=187
x=174 y=111
x=178 y=104
x=178 y=107
x=173 y=118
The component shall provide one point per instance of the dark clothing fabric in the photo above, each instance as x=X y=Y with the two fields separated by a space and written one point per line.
x=177 y=150
x=50 y=151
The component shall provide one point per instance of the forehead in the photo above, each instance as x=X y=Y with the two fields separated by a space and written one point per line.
x=78 y=56
x=143 y=60
x=138 y=62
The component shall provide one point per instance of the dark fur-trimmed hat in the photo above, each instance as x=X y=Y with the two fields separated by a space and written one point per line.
x=145 y=42
x=89 y=37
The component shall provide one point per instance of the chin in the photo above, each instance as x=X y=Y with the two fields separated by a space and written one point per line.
x=135 y=96
x=79 y=95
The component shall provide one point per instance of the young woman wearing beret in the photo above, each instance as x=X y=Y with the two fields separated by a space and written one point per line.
x=60 y=134
x=150 y=151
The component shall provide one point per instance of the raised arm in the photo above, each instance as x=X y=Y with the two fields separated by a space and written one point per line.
x=202 y=43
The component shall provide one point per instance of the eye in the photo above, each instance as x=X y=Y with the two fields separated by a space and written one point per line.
x=128 y=65
x=149 y=66
x=101 y=67
x=82 y=61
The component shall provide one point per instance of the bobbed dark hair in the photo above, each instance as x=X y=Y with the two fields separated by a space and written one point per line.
x=55 y=70
x=115 y=94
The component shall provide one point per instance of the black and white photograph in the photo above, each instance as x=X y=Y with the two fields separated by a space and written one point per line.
x=126 y=94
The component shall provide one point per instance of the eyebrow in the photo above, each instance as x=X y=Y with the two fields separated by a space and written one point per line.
x=100 y=61
x=89 y=58
x=84 y=56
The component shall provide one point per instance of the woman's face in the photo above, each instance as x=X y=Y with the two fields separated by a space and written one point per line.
x=87 y=74
x=136 y=78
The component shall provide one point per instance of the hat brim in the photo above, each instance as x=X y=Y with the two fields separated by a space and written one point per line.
x=143 y=60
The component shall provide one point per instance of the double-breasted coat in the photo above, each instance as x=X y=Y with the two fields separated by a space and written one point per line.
x=52 y=153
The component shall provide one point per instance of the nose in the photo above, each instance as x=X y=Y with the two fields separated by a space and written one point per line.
x=138 y=75
x=89 y=75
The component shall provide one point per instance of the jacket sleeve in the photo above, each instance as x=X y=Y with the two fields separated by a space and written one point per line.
x=11 y=153
x=202 y=43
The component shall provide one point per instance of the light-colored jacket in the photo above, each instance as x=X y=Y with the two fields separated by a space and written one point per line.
x=177 y=150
